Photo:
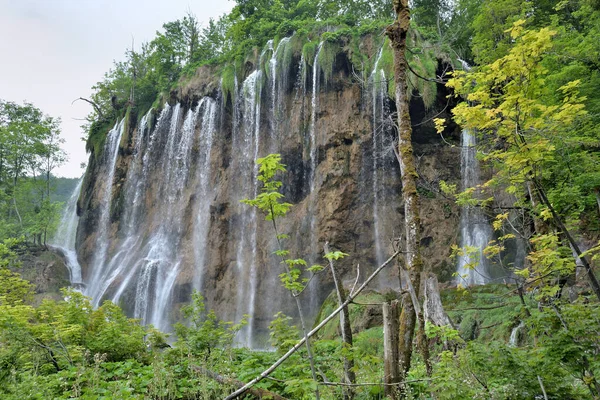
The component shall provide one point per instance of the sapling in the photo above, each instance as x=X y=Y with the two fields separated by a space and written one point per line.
x=270 y=202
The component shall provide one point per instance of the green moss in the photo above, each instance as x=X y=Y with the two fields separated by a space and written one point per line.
x=327 y=57
x=228 y=78
x=387 y=59
x=97 y=136
x=251 y=56
x=308 y=52
x=297 y=43
x=286 y=55
x=264 y=59
x=423 y=64
x=478 y=314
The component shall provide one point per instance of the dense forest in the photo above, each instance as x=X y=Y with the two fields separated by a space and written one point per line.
x=522 y=78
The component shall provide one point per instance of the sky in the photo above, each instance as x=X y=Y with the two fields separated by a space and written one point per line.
x=54 y=51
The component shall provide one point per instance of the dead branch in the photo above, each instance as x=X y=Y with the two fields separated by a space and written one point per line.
x=96 y=107
x=295 y=348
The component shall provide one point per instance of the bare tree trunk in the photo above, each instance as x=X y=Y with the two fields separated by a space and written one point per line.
x=433 y=307
x=397 y=33
x=390 y=349
x=349 y=376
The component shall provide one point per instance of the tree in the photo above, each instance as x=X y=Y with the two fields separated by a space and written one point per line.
x=29 y=152
x=508 y=102
x=269 y=201
x=397 y=32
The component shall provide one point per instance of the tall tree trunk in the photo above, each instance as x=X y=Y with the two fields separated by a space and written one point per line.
x=391 y=374
x=346 y=329
x=397 y=33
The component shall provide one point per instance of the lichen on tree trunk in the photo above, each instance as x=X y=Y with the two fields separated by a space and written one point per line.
x=397 y=33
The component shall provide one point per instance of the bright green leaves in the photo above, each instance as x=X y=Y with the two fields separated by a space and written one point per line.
x=292 y=280
x=334 y=255
x=269 y=167
x=58 y=334
x=269 y=200
x=530 y=135
x=282 y=253
x=548 y=259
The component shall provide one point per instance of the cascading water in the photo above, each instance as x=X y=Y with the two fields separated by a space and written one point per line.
x=514 y=334
x=381 y=148
x=475 y=230
x=247 y=145
x=172 y=222
x=111 y=152
x=314 y=107
x=313 y=286
x=278 y=75
x=145 y=262
x=208 y=108
x=64 y=238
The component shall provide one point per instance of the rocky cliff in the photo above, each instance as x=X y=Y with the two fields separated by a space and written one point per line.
x=160 y=212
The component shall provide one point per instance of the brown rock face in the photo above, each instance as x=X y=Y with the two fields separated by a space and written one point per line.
x=46 y=270
x=213 y=243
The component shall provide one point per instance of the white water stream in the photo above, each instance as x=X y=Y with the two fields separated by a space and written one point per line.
x=475 y=230
x=64 y=238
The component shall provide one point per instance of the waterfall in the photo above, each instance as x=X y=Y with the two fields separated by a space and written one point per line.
x=64 y=238
x=380 y=148
x=514 y=335
x=165 y=213
x=278 y=77
x=475 y=230
x=314 y=106
x=247 y=148
x=205 y=190
x=111 y=152
x=136 y=176
x=313 y=286
x=145 y=259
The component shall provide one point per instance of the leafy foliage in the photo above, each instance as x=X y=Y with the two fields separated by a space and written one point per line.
x=206 y=333
x=29 y=152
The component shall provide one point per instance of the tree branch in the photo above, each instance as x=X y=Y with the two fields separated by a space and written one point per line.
x=291 y=351
x=96 y=107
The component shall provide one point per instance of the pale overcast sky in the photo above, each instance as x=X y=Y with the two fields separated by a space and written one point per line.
x=54 y=51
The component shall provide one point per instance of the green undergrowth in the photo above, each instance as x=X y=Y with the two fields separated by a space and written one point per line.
x=485 y=313
x=102 y=354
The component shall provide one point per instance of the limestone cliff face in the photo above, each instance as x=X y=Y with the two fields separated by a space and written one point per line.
x=46 y=270
x=345 y=190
